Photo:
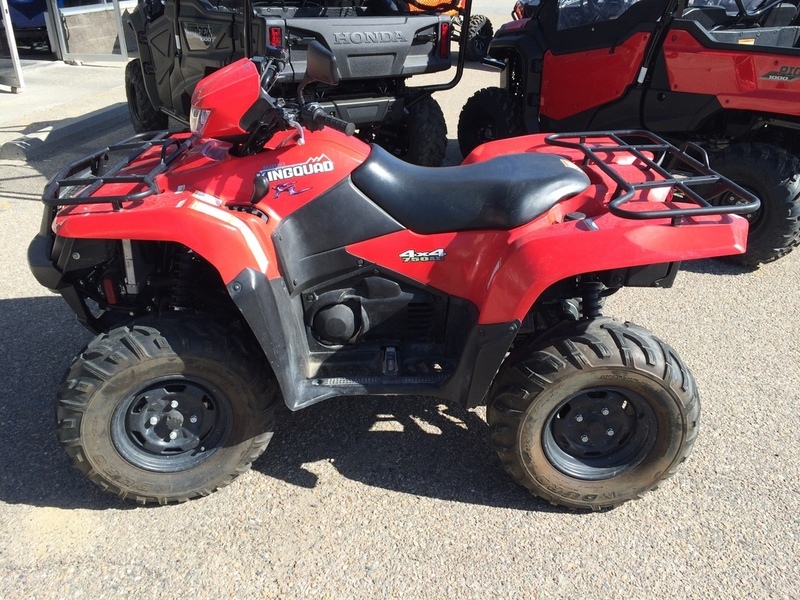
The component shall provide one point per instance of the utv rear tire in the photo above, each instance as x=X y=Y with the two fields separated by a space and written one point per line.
x=420 y=138
x=144 y=116
x=166 y=411
x=479 y=34
x=772 y=174
x=490 y=114
x=595 y=416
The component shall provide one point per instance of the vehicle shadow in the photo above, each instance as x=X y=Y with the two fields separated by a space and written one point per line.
x=715 y=267
x=410 y=445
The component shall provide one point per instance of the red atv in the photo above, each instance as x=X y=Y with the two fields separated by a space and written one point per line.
x=268 y=253
x=724 y=77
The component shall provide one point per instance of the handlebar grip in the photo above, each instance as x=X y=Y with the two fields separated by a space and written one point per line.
x=319 y=118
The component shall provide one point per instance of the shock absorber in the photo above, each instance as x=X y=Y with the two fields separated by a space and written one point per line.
x=592 y=299
x=185 y=273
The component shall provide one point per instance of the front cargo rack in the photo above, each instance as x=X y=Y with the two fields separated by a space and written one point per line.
x=92 y=176
x=675 y=167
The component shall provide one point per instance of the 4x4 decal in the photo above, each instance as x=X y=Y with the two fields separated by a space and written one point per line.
x=414 y=256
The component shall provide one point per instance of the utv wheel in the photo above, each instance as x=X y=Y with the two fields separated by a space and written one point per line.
x=166 y=411
x=420 y=138
x=773 y=175
x=490 y=114
x=144 y=116
x=479 y=34
x=595 y=416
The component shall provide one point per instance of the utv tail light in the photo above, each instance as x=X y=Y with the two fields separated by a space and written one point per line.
x=444 y=39
x=275 y=36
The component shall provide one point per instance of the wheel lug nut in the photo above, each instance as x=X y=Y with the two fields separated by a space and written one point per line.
x=609 y=431
x=153 y=420
x=173 y=434
x=605 y=411
x=193 y=419
x=174 y=404
x=584 y=438
x=579 y=418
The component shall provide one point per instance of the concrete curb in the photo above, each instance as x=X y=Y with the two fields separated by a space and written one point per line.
x=33 y=145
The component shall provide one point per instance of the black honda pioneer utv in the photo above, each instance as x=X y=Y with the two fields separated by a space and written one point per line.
x=718 y=73
x=378 y=45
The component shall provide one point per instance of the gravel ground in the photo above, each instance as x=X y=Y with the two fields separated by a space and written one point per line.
x=404 y=497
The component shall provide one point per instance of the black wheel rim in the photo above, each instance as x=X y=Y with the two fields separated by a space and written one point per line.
x=485 y=130
x=599 y=433
x=172 y=424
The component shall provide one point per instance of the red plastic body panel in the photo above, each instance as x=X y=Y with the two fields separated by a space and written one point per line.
x=748 y=78
x=573 y=83
x=191 y=208
x=504 y=272
x=501 y=272
x=229 y=92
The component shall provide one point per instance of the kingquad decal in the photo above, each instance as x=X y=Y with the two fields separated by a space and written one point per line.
x=785 y=73
x=432 y=256
x=289 y=189
x=368 y=37
x=200 y=36
x=320 y=164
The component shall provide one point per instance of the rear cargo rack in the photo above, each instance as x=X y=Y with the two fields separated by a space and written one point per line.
x=675 y=167
x=92 y=176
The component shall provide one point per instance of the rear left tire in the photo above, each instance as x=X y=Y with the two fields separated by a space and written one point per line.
x=419 y=138
x=595 y=416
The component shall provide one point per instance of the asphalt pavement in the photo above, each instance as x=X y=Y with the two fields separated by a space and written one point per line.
x=403 y=497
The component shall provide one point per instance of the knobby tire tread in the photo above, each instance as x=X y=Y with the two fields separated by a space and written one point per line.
x=120 y=349
x=530 y=369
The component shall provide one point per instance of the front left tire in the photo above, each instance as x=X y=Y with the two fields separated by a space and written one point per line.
x=166 y=410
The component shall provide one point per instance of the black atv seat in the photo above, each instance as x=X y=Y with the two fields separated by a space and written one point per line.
x=501 y=193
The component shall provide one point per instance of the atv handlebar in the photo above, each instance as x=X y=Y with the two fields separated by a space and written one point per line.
x=315 y=118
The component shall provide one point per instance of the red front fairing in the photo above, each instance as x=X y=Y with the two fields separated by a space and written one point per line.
x=197 y=194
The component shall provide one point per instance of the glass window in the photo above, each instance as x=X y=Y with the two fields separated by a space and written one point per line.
x=577 y=13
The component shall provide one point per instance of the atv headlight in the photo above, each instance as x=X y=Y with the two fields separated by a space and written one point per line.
x=198 y=119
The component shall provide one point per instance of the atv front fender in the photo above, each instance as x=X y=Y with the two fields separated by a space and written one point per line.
x=230 y=241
